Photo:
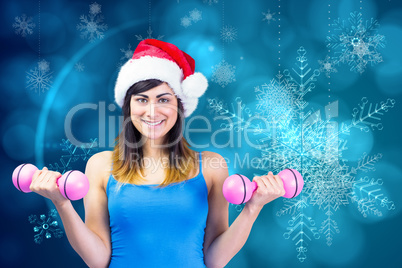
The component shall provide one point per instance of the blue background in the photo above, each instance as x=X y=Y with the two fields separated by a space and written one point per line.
x=26 y=115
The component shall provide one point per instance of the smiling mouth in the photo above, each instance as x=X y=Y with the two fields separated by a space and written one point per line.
x=152 y=124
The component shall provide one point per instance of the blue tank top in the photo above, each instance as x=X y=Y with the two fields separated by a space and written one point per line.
x=158 y=227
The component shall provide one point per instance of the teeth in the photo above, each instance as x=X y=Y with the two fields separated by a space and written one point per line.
x=153 y=124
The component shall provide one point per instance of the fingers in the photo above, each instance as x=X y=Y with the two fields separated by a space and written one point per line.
x=44 y=180
x=272 y=182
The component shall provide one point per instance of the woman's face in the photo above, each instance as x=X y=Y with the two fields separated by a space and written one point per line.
x=154 y=112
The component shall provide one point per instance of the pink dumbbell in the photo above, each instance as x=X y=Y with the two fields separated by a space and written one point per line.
x=238 y=189
x=73 y=185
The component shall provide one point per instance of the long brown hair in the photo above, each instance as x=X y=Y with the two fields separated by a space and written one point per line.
x=128 y=159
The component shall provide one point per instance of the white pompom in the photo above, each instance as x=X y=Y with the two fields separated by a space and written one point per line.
x=194 y=85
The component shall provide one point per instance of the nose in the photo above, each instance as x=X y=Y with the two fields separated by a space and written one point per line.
x=152 y=110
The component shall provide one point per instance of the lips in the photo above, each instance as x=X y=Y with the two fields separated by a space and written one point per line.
x=153 y=123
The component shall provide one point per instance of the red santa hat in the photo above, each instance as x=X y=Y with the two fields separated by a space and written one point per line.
x=154 y=59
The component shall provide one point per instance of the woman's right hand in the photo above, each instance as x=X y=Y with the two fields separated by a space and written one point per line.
x=44 y=183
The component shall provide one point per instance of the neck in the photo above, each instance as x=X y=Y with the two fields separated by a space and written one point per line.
x=154 y=149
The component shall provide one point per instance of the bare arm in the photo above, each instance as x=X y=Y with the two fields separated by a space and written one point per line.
x=222 y=242
x=91 y=240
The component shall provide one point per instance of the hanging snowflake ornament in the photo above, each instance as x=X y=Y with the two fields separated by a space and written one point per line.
x=39 y=79
x=91 y=26
x=23 y=25
x=223 y=73
x=149 y=36
x=275 y=100
x=356 y=42
x=45 y=226
x=44 y=66
x=327 y=66
x=228 y=33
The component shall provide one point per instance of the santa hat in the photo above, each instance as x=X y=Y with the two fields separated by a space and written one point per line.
x=154 y=59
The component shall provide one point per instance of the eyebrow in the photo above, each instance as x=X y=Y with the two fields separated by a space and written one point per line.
x=158 y=96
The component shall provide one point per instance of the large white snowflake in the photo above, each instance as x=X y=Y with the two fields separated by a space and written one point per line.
x=356 y=42
x=23 y=25
x=314 y=145
x=39 y=79
x=91 y=26
x=223 y=73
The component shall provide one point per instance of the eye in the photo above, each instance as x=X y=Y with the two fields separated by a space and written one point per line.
x=142 y=100
x=163 y=100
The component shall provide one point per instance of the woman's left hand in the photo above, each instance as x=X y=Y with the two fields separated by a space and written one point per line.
x=270 y=187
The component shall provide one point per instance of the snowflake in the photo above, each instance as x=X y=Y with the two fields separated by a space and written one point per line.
x=357 y=43
x=73 y=154
x=23 y=25
x=45 y=226
x=327 y=66
x=275 y=99
x=370 y=188
x=195 y=15
x=238 y=116
x=223 y=73
x=127 y=55
x=268 y=16
x=149 y=32
x=43 y=65
x=79 y=66
x=185 y=22
x=94 y=9
x=315 y=146
x=210 y=2
x=39 y=78
x=228 y=33
x=90 y=26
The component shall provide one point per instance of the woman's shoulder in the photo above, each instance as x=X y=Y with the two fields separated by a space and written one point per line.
x=214 y=166
x=101 y=159
x=99 y=167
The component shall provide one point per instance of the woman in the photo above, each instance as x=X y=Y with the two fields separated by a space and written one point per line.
x=154 y=202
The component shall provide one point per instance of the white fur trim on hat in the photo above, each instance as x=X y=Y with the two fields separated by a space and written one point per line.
x=189 y=104
x=194 y=85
